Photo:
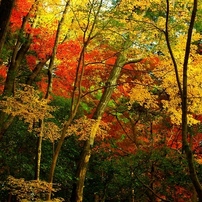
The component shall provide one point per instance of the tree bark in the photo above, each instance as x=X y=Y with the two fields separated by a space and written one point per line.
x=39 y=152
x=185 y=144
x=36 y=72
x=18 y=55
x=17 y=58
x=52 y=59
x=6 y=7
x=77 y=91
x=77 y=193
x=183 y=93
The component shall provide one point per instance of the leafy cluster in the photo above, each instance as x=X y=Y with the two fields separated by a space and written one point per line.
x=29 y=190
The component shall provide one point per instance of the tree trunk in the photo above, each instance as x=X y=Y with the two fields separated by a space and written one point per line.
x=77 y=194
x=5 y=122
x=52 y=58
x=36 y=72
x=9 y=86
x=77 y=90
x=185 y=144
x=13 y=69
x=183 y=93
x=18 y=55
x=194 y=197
x=39 y=147
x=6 y=7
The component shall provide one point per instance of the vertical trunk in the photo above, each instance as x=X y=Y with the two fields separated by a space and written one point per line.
x=18 y=55
x=19 y=51
x=185 y=143
x=132 y=188
x=6 y=7
x=52 y=59
x=9 y=198
x=39 y=147
x=17 y=58
x=77 y=91
x=194 y=197
x=48 y=92
x=5 y=122
x=9 y=85
x=77 y=194
x=183 y=93
x=56 y=153
x=38 y=159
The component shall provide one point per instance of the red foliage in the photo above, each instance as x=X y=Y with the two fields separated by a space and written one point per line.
x=3 y=73
x=20 y=10
x=43 y=85
x=151 y=62
x=31 y=61
x=43 y=44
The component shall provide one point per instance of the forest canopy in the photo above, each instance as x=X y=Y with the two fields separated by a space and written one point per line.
x=100 y=100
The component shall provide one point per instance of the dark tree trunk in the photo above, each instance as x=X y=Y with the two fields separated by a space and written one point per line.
x=6 y=7
x=186 y=147
x=36 y=72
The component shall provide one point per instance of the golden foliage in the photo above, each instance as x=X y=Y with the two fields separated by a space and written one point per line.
x=143 y=96
x=51 y=131
x=82 y=128
x=166 y=75
x=32 y=190
x=27 y=105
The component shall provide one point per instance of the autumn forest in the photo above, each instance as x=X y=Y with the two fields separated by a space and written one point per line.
x=101 y=100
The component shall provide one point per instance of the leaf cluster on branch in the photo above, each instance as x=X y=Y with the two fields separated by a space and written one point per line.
x=28 y=190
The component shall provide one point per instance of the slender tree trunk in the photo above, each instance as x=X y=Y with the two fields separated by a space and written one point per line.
x=132 y=188
x=52 y=59
x=194 y=195
x=56 y=153
x=19 y=52
x=183 y=92
x=77 y=194
x=185 y=143
x=5 y=122
x=77 y=91
x=39 y=152
x=48 y=92
x=9 y=86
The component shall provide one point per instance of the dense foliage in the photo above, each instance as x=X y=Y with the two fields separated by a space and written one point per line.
x=100 y=100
